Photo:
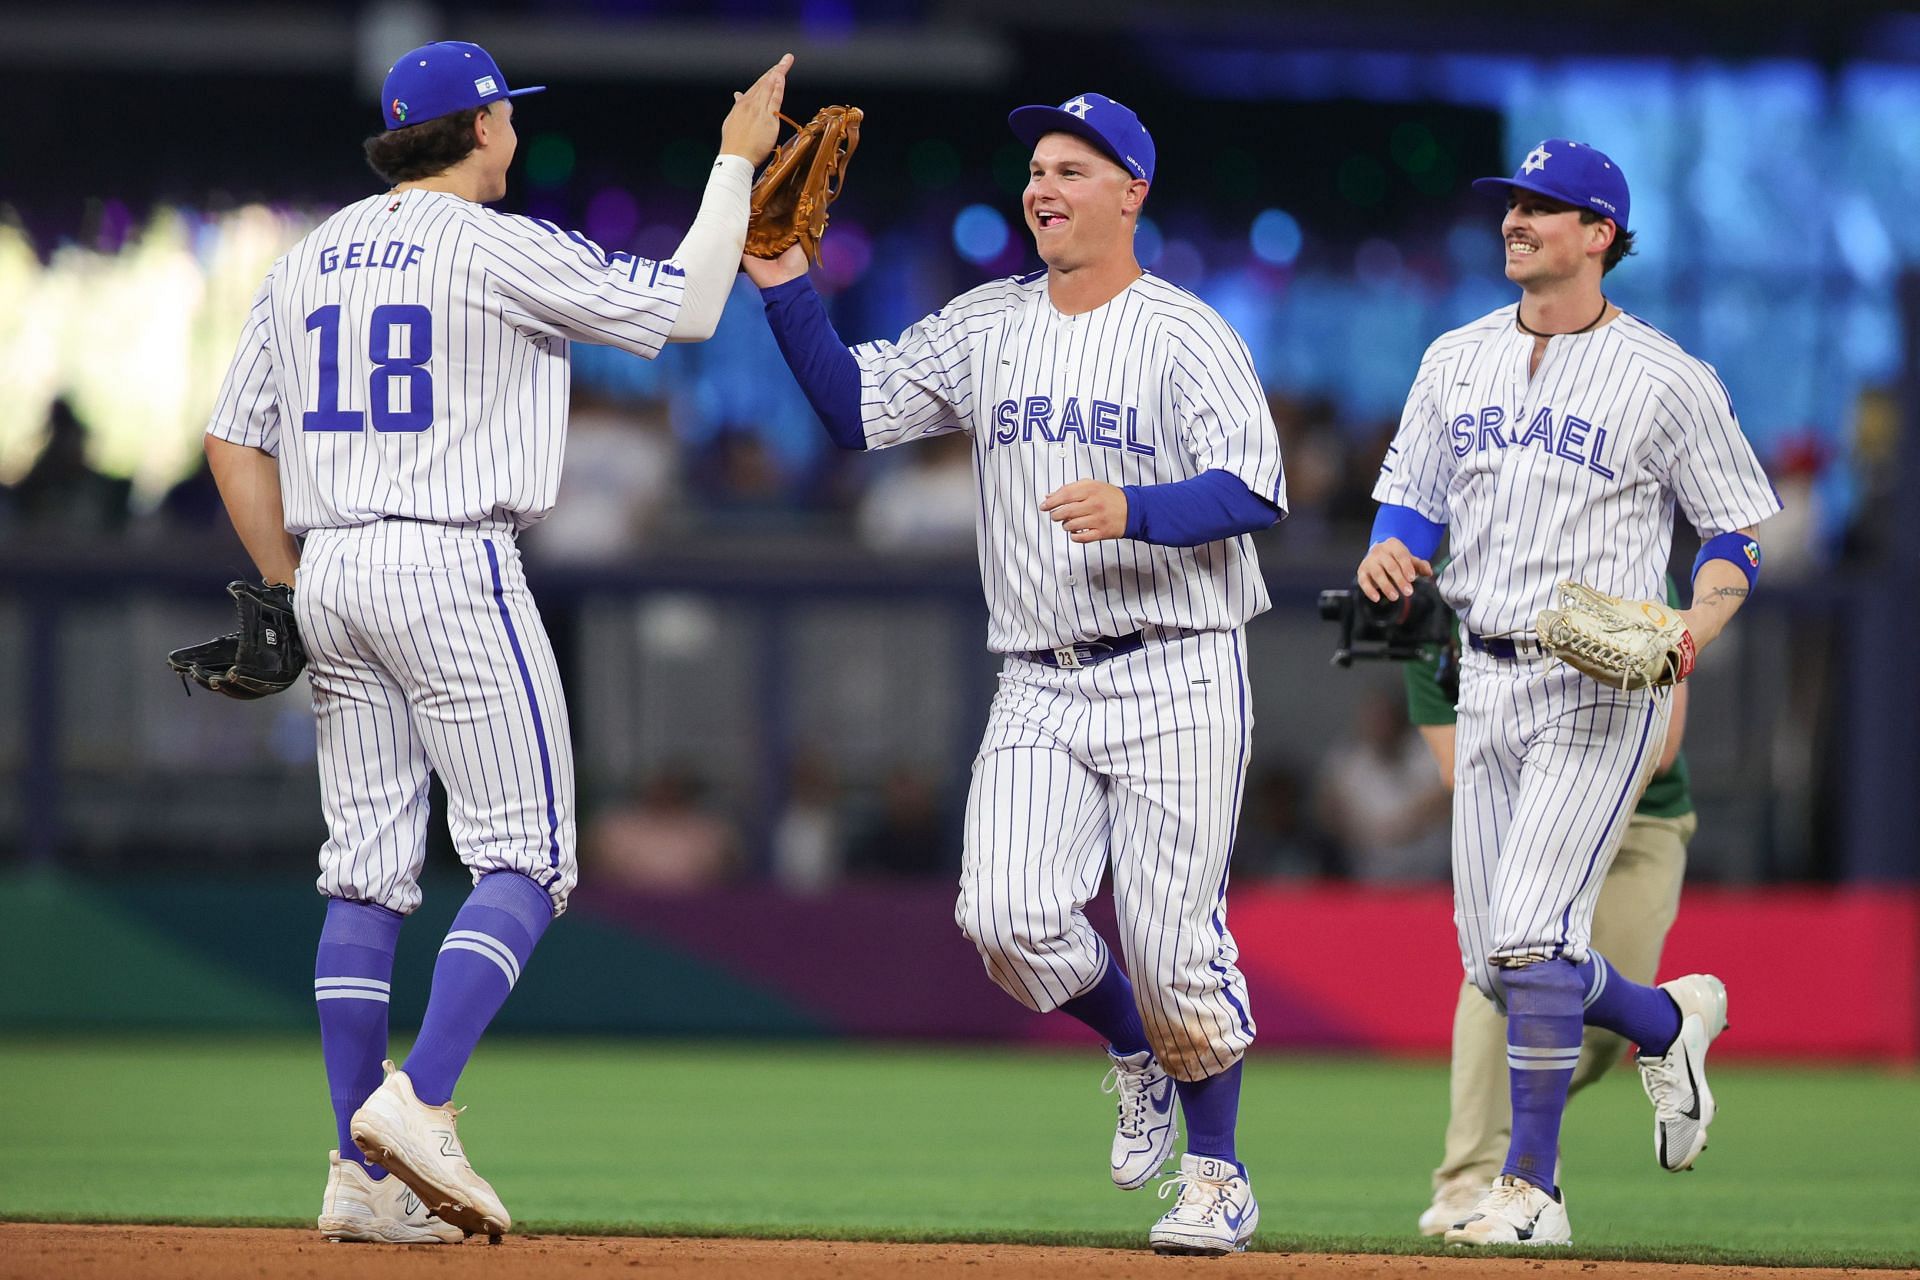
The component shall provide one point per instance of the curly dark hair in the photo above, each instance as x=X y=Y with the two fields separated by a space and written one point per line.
x=424 y=149
x=1622 y=241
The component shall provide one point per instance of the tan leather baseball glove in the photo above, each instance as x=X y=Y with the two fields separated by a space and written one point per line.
x=1629 y=644
x=791 y=195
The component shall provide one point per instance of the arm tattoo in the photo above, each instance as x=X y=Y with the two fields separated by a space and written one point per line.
x=1731 y=593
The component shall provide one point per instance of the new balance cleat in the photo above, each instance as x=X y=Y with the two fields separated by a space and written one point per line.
x=361 y=1210
x=1144 y=1135
x=418 y=1144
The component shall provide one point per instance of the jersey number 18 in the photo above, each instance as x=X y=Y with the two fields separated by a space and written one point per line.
x=409 y=367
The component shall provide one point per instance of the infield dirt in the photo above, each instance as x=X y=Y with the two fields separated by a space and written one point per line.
x=214 y=1253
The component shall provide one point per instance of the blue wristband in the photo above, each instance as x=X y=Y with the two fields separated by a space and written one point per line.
x=1737 y=549
x=1420 y=535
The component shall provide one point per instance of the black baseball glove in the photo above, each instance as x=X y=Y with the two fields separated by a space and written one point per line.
x=264 y=656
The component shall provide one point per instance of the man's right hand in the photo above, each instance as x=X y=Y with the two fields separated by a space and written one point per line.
x=1389 y=570
x=768 y=272
x=752 y=127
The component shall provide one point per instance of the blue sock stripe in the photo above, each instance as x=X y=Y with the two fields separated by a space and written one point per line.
x=1598 y=985
x=492 y=948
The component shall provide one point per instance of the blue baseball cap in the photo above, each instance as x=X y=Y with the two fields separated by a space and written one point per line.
x=1108 y=125
x=1571 y=172
x=439 y=79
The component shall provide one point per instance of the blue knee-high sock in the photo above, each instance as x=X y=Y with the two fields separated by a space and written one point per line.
x=1543 y=1047
x=1645 y=1015
x=1110 y=1009
x=352 y=978
x=479 y=962
x=1212 y=1109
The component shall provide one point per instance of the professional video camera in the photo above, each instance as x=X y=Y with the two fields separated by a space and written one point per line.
x=1396 y=630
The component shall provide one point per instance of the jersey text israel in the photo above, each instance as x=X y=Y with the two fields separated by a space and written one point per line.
x=1572 y=473
x=1151 y=387
x=408 y=358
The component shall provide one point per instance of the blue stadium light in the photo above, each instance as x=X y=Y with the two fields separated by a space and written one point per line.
x=1276 y=237
x=979 y=233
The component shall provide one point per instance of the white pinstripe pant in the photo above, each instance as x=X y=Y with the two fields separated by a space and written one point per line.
x=1139 y=759
x=427 y=654
x=1551 y=764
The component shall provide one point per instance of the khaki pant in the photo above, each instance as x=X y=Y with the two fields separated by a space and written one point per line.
x=1638 y=901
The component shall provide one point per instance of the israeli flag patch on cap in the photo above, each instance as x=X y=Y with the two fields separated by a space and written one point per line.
x=485 y=84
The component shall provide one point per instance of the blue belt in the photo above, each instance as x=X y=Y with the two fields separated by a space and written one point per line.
x=1508 y=647
x=1084 y=653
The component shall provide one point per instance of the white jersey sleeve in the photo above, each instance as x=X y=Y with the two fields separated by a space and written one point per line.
x=1418 y=469
x=921 y=385
x=1705 y=459
x=557 y=283
x=1221 y=409
x=247 y=410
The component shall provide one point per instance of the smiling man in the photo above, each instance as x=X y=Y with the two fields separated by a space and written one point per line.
x=1123 y=450
x=1552 y=440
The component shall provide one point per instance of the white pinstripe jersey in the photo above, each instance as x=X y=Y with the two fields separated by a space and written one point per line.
x=1572 y=474
x=1149 y=388
x=409 y=358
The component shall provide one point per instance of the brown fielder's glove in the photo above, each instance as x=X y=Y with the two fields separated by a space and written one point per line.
x=791 y=195
x=1629 y=644
x=264 y=656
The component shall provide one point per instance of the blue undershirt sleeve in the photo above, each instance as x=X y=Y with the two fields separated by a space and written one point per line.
x=821 y=363
x=1418 y=534
x=1185 y=513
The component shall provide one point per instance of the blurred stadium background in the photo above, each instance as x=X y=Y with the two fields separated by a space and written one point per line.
x=774 y=654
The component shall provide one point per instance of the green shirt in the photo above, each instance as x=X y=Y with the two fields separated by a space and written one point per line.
x=1667 y=795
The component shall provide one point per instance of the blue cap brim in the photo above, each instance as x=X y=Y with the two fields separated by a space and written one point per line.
x=517 y=93
x=1501 y=185
x=1030 y=124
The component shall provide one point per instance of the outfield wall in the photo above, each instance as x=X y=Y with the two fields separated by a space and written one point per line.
x=1812 y=973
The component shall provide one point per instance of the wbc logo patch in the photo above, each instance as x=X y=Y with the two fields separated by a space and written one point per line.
x=399 y=110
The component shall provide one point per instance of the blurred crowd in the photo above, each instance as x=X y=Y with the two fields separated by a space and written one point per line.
x=1369 y=807
x=637 y=484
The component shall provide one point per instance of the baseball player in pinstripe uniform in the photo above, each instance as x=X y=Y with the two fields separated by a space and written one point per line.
x=1637 y=904
x=1123 y=451
x=399 y=398
x=1552 y=440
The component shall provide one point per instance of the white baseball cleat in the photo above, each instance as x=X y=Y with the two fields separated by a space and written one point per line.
x=1215 y=1214
x=1453 y=1200
x=360 y=1210
x=418 y=1144
x=1676 y=1082
x=1143 y=1138
x=1514 y=1211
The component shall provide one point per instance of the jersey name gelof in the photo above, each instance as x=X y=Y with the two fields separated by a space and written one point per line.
x=394 y=255
x=1104 y=424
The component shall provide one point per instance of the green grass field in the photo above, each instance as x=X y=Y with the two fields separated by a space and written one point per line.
x=1816 y=1167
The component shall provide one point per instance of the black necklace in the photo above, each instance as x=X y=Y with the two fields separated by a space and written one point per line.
x=1604 y=304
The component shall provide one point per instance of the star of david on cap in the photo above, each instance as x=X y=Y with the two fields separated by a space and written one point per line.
x=1111 y=126
x=1579 y=176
